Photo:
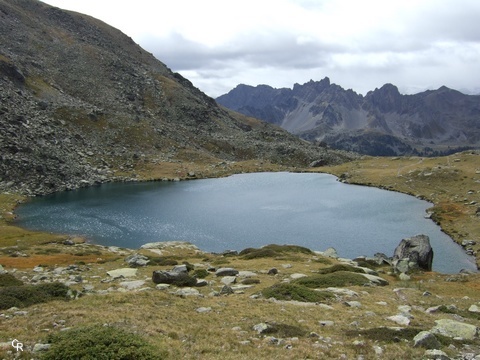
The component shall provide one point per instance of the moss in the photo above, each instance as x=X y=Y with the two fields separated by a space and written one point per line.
x=288 y=291
x=100 y=342
x=336 y=279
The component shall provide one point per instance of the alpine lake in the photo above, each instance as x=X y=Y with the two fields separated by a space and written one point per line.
x=246 y=210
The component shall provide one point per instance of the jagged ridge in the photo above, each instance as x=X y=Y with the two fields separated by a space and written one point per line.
x=383 y=122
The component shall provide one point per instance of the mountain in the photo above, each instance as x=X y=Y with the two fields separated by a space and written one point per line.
x=82 y=103
x=384 y=122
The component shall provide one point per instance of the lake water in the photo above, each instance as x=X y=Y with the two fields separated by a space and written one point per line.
x=246 y=210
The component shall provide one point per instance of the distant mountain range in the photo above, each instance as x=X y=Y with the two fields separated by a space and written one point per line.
x=383 y=122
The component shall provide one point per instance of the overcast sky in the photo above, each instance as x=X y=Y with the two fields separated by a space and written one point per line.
x=360 y=45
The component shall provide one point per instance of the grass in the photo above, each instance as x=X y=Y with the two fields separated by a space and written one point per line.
x=335 y=279
x=166 y=321
x=285 y=291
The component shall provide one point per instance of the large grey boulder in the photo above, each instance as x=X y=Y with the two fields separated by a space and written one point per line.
x=417 y=250
x=455 y=329
x=173 y=277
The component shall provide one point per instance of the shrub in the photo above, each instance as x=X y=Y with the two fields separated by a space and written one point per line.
x=336 y=279
x=340 y=267
x=26 y=295
x=273 y=250
x=9 y=280
x=162 y=261
x=284 y=330
x=250 y=281
x=289 y=291
x=200 y=273
x=100 y=342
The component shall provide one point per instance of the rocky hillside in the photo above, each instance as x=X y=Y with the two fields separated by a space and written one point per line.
x=81 y=103
x=383 y=122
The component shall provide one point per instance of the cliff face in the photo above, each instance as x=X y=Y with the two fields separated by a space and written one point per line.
x=383 y=122
x=81 y=101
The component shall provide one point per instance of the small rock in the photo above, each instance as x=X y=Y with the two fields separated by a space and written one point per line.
x=41 y=347
x=261 y=328
x=201 y=310
x=131 y=285
x=137 y=260
x=297 y=276
x=124 y=272
x=187 y=292
x=435 y=355
x=226 y=290
x=474 y=308
x=228 y=280
x=353 y=304
x=326 y=323
x=399 y=319
x=272 y=271
x=331 y=253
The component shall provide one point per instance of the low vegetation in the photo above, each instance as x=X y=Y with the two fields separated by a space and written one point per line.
x=296 y=292
x=25 y=295
x=100 y=342
x=335 y=279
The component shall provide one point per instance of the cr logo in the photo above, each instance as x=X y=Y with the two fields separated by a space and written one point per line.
x=17 y=345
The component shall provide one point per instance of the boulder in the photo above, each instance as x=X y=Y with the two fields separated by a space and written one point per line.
x=124 y=272
x=455 y=329
x=173 y=277
x=426 y=340
x=417 y=250
x=226 y=272
x=137 y=260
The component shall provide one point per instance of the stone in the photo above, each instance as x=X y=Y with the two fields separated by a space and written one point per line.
x=2 y=270
x=173 y=277
x=226 y=290
x=187 y=292
x=331 y=253
x=261 y=328
x=228 y=280
x=404 y=277
x=272 y=271
x=202 y=310
x=226 y=272
x=474 y=308
x=201 y=283
x=180 y=269
x=455 y=329
x=246 y=274
x=353 y=304
x=426 y=340
x=435 y=355
x=399 y=319
x=375 y=280
x=41 y=347
x=326 y=323
x=417 y=249
x=124 y=272
x=137 y=260
x=132 y=285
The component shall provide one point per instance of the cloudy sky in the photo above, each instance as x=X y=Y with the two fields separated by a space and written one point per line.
x=360 y=45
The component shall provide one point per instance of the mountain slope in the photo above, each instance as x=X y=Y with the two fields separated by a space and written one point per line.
x=383 y=122
x=82 y=103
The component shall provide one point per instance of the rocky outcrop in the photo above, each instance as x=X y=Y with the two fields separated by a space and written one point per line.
x=412 y=253
x=384 y=122
x=81 y=104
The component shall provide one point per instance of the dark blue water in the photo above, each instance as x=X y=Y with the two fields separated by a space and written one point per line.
x=248 y=210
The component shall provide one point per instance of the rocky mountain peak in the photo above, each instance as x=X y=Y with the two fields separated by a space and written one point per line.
x=81 y=103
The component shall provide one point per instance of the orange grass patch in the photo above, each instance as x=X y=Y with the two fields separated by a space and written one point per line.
x=56 y=259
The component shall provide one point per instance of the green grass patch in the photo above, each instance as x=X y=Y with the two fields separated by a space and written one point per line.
x=289 y=291
x=26 y=295
x=284 y=330
x=273 y=250
x=385 y=334
x=340 y=267
x=336 y=279
x=9 y=280
x=100 y=342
